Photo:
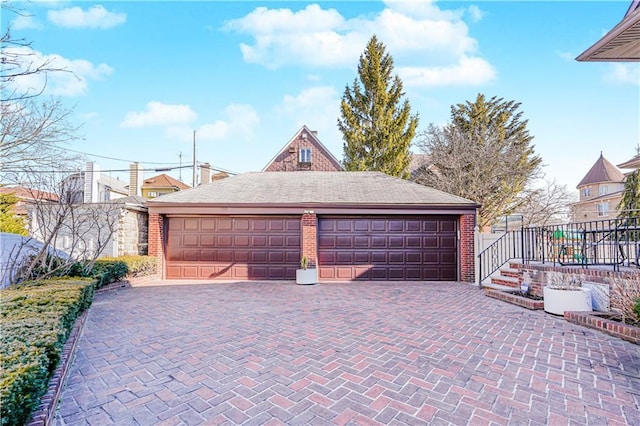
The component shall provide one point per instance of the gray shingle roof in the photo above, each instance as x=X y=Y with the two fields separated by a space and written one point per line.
x=291 y=188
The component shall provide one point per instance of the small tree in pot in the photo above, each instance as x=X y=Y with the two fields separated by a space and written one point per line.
x=306 y=274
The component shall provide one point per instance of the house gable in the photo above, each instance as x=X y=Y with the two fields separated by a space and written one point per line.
x=161 y=185
x=303 y=152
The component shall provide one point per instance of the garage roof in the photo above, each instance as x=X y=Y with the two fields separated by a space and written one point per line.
x=312 y=188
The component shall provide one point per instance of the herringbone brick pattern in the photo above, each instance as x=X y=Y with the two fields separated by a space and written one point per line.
x=356 y=353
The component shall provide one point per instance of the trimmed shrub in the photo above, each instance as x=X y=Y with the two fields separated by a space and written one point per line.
x=36 y=319
x=139 y=266
x=106 y=271
x=636 y=309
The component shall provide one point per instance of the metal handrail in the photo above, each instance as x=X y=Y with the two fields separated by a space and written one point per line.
x=614 y=243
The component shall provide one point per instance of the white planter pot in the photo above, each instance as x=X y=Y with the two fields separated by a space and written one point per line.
x=306 y=276
x=557 y=301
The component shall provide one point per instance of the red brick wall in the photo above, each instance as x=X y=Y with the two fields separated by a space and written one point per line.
x=467 y=252
x=156 y=248
x=310 y=238
x=288 y=161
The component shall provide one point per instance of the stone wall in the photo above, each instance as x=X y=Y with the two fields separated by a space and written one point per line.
x=133 y=233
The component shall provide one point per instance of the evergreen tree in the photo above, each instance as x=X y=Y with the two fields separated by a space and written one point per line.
x=375 y=121
x=9 y=221
x=485 y=154
x=629 y=206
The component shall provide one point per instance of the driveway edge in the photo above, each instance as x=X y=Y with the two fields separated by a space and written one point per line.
x=44 y=414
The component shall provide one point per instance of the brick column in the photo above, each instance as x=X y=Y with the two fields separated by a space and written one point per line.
x=309 y=237
x=467 y=252
x=156 y=248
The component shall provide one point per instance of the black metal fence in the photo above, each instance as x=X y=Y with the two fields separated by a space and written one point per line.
x=614 y=242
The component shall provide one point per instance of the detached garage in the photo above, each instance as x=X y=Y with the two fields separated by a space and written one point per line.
x=350 y=225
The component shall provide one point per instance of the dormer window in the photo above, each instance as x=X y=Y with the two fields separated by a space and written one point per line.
x=305 y=155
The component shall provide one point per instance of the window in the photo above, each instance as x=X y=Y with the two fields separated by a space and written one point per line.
x=152 y=194
x=305 y=155
x=586 y=192
x=603 y=209
x=603 y=190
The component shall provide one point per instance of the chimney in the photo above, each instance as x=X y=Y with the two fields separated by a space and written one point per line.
x=314 y=133
x=205 y=173
x=91 y=193
x=135 y=179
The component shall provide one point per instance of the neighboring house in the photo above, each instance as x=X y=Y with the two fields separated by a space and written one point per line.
x=622 y=43
x=117 y=227
x=303 y=152
x=161 y=185
x=352 y=225
x=419 y=164
x=633 y=164
x=91 y=186
x=27 y=196
x=600 y=193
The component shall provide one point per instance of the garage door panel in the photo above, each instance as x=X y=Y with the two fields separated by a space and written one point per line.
x=207 y=225
x=447 y=226
x=191 y=224
x=207 y=240
x=360 y=241
x=387 y=248
x=259 y=240
x=224 y=247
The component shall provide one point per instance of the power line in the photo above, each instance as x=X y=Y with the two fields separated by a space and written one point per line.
x=110 y=158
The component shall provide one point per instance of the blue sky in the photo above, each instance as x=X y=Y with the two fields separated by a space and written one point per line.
x=247 y=75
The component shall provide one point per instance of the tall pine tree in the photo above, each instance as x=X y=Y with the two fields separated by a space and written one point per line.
x=375 y=121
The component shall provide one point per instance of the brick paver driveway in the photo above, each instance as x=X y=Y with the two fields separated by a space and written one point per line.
x=357 y=353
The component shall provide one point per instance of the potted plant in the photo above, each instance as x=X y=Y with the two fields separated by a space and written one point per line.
x=562 y=295
x=306 y=275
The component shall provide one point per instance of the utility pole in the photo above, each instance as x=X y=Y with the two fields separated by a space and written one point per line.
x=194 y=160
x=180 y=157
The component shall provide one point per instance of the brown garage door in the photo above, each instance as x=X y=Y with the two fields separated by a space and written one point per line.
x=238 y=248
x=388 y=248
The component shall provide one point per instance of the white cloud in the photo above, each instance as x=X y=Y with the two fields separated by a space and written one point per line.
x=475 y=13
x=239 y=122
x=467 y=71
x=623 y=74
x=95 y=17
x=69 y=77
x=159 y=114
x=25 y=22
x=418 y=34
x=317 y=108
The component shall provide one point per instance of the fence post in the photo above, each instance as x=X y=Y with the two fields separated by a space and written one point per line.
x=476 y=249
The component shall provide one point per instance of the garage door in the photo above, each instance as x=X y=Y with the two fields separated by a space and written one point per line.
x=237 y=248
x=388 y=248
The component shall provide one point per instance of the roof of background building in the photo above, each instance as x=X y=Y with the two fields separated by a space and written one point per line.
x=602 y=171
x=164 y=181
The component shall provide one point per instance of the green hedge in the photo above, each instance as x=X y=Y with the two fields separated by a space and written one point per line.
x=106 y=271
x=35 y=321
x=139 y=266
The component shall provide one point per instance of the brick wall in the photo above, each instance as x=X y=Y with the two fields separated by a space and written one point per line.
x=288 y=161
x=467 y=251
x=156 y=248
x=309 y=241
